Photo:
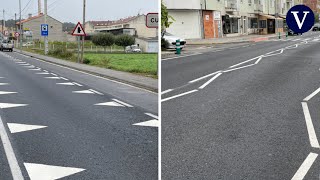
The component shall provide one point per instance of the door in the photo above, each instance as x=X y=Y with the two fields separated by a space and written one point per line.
x=208 y=24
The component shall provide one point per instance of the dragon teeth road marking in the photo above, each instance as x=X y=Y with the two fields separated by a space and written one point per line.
x=45 y=73
x=152 y=115
x=128 y=105
x=77 y=84
x=3 y=84
x=66 y=84
x=16 y=128
x=6 y=92
x=83 y=92
x=10 y=105
x=305 y=166
x=150 y=123
x=49 y=172
x=111 y=103
x=311 y=132
x=97 y=92
x=52 y=77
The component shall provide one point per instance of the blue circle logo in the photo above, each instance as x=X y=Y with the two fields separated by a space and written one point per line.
x=300 y=19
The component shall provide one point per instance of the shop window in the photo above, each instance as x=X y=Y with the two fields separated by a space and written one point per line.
x=263 y=24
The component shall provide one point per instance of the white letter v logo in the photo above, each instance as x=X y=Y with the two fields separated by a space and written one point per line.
x=295 y=14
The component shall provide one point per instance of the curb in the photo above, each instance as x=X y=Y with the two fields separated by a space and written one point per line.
x=142 y=86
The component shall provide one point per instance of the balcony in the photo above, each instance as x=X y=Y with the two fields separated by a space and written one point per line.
x=258 y=8
x=231 y=5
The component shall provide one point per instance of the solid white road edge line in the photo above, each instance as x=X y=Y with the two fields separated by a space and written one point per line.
x=179 y=95
x=11 y=157
x=312 y=95
x=128 y=105
x=305 y=166
x=312 y=134
x=166 y=91
x=208 y=82
x=203 y=77
x=152 y=115
x=229 y=70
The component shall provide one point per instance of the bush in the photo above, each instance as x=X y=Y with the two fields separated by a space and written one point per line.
x=125 y=40
x=60 y=52
x=164 y=43
x=103 y=39
x=86 y=61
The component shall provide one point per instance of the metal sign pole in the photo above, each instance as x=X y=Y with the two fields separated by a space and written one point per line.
x=45 y=22
x=78 y=48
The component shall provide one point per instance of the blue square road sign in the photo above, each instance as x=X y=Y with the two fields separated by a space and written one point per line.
x=44 y=30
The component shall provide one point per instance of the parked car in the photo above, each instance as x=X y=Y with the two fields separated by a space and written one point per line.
x=133 y=48
x=316 y=27
x=292 y=33
x=27 y=44
x=171 y=39
x=6 y=45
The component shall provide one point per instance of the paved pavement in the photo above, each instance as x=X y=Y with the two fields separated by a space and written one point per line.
x=245 y=113
x=59 y=123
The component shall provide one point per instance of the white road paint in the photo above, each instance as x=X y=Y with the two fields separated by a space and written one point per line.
x=45 y=73
x=152 y=115
x=77 y=84
x=64 y=78
x=24 y=64
x=273 y=53
x=52 y=77
x=229 y=70
x=312 y=134
x=4 y=84
x=150 y=123
x=121 y=102
x=292 y=46
x=97 y=92
x=48 y=172
x=83 y=92
x=20 y=62
x=166 y=91
x=111 y=103
x=194 y=54
x=16 y=128
x=212 y=79
x=29 y=66
x=54 y=74
x=6 y=92
x=179 y=95
x=66 y=84
x=35 y=69
x=256 y=58
x=203 y=77
x=305 y=166
x=11 y=157
x=312 y=95
x=10 y=105
x=296 y=39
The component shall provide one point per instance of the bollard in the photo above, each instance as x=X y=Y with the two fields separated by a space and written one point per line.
x=286 y=35
x=279 y=35
x=178 y=48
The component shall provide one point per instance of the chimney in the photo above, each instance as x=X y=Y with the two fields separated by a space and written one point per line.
x=39 y=7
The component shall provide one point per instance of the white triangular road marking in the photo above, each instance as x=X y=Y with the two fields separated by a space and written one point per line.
x=83 y=92
x=151 y=123
x=10 y=105
x=52 y=77
x=67 y=84
x=15 y=128
x=43 y=73
x=6 y=92
x=112 y=103
x=48 y=172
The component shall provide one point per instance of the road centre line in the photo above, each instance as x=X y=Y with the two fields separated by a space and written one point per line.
x=311 y=95
x=152 y=115
x=181 y=56
x=208 y=82
x=11 y=157
x=128 y=105
x=311 y=132
x=179 y=95
x=166 y=91
x=203 y=77
x=305 y=166
x=229 y=70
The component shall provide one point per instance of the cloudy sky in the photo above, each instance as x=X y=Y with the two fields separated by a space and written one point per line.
x=71 y=10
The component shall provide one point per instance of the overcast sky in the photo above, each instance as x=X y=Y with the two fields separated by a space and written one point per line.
x=71 y=10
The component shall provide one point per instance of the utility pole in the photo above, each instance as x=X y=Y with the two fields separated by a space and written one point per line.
x=15 y=22
x=83 y=24
x=276 y=20
x=21 y=31
x=4 y=21
x=45 y=22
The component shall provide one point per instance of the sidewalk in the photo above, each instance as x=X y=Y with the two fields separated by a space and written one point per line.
x=237 y=39
x=124 y=77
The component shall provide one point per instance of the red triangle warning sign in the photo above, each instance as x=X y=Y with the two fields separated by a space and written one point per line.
x=78 y=30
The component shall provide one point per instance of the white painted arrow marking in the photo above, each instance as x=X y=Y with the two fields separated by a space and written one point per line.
x=15 y=128
x=112 y=103
x=83 y=92
x=66 y=84
x=6 y=92
x=52 y=77
x=151 y=123
x=48 y=172
x=10 y=105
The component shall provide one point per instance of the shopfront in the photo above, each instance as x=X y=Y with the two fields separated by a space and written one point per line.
x=230 y=24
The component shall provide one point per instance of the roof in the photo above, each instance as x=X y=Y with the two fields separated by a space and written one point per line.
x=34 y=17
x=109 y=23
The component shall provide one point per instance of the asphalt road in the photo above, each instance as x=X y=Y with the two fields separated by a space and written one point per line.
x=60 y=123
x=245 y=113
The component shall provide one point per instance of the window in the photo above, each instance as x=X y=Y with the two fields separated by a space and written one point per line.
x=253 y=22
x=263 y=24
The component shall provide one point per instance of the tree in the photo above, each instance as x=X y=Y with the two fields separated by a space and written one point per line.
x=125 y=40
x=103 y=39
x=166 y=19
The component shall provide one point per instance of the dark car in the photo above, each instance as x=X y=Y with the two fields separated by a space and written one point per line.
x=316 y=27
x=292 y=33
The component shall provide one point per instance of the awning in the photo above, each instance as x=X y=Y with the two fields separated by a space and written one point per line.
x=283 y=16
x=233 y=16
x=268 y=16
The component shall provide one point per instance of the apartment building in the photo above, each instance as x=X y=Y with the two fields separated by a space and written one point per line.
x=196 y=19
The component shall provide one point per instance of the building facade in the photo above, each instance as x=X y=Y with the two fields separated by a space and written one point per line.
x=313 y=4
x=195 y=19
